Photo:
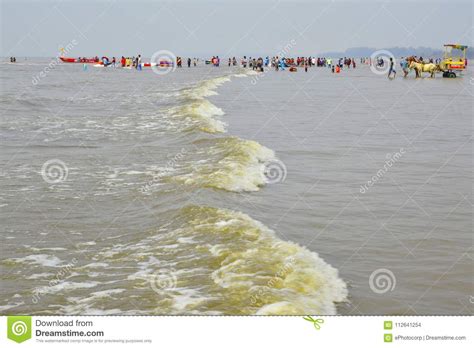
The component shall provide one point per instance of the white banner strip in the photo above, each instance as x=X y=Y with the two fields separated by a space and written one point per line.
x=238 y=332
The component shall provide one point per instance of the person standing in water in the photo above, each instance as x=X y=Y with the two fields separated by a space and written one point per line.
x=392 y=69
x=404 y=66
x=138 y=65
x=189 y=62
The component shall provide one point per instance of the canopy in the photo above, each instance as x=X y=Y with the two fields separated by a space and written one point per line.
x=456 y=46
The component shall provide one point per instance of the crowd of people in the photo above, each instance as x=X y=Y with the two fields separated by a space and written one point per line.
x=276 y=63
x=282 y=63
x=129 y=62
x=125 y=62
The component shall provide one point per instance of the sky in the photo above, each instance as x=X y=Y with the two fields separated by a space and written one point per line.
x=227 y=28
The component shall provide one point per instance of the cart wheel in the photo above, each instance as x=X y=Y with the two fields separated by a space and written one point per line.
x=445 y=74
x=452 y=74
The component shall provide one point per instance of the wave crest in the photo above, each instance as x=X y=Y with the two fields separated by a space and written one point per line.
x=229 y=163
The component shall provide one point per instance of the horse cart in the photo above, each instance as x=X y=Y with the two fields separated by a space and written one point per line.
x=454 y=60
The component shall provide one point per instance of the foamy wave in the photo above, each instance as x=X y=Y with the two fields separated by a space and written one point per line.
x=252 y=72
x=236 y=266
x=230 y=163
x=199 y=113
x=204 y=88
x=39 y=259
x=66 y=286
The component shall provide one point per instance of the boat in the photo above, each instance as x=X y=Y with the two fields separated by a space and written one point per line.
x=80 y=60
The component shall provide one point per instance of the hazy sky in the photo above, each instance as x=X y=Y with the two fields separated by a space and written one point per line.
x=39 y=28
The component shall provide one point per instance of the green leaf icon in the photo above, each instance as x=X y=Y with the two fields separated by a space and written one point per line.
x=19 y=328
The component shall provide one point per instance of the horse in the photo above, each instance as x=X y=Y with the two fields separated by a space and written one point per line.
x=421 y=68
x=410 y=60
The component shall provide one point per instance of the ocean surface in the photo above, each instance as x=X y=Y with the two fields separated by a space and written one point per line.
x=224 y=191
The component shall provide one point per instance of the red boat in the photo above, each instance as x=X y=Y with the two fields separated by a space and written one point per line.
x=80 y=60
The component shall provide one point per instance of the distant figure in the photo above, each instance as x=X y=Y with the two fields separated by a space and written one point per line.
x=189 y=62
x=259 y=63
x=138 y=64
x=404 y=66
x=391 y=69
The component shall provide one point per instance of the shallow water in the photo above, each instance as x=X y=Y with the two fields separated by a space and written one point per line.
x=222 y=191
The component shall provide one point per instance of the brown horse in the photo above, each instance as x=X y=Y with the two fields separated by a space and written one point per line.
x=410 y=60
